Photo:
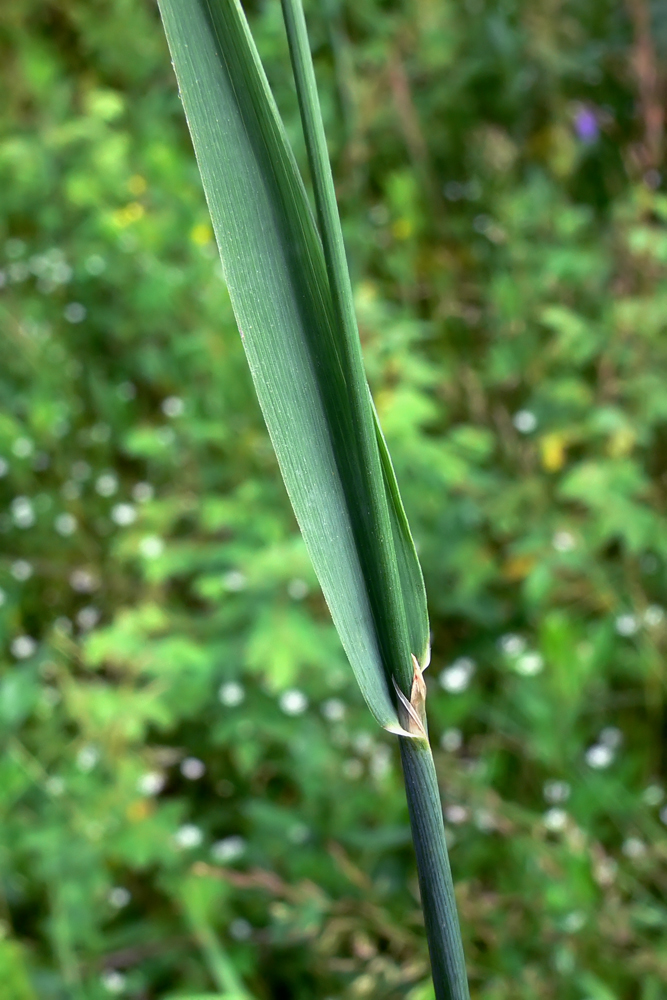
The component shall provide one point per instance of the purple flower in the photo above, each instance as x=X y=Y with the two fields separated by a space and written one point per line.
x=586 y=126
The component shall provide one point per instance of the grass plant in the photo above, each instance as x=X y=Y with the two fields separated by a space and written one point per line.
x=290 y=288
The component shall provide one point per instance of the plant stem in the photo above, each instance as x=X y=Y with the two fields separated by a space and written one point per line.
x=435 y=877
x=372 y=519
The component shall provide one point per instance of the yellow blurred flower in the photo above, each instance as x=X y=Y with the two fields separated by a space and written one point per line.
x=553 y=448
x=402 y=228
x=201 y=234
x=128 y=214
x=139 y=809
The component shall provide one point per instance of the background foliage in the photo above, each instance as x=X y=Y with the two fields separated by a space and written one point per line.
x=192 y=793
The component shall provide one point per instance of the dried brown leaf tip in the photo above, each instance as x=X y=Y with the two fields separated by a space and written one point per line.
x=413 y=712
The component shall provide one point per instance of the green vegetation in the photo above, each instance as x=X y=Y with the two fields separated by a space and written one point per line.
x=195 y=799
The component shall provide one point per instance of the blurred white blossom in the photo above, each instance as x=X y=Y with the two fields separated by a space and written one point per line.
x=627 y=625
x=451 y=740
x=107 y=484
x=23 y=512
x=23 y=646
x=151 y=547
x=457 y=677
x=228 y=849
x=564 y=541
x=151 y=783
x=333 y=710
x=123 y=514
x=119 y=896
x=599 y=756
x=172 y=406
x=525 y=421
x=21 y=570
x=66 y=524
x=188 y=836
x=192 y=768
x=555 y=819
x=293 y=702
x=231 y=693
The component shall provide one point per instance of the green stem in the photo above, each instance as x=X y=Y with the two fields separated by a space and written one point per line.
x=371 y=518
x=435 y=877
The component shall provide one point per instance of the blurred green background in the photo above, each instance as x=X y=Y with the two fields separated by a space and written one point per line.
x=193 y=795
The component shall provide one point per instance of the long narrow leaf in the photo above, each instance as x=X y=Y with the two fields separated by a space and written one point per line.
x=313 y=394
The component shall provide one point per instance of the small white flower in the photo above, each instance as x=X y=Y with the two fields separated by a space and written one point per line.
x=231 y=694
x=529 y=664
x=525 y=421
x=333 y=710
x=151 y=547
x=654 y=615
x=457 y=677
x=87 y=758
x=512 y=645
x=87 y=618
x=297 y=589
x=353 y=768
x=556 y=791
x=574 y=922
x=633 y=848
x=21 y=570
x=119 y=897
x=192 y=768
x=456 y=814
x=228 y=849
x=151 y=783
x=627 y=625
x=611 y=736
x=142 y=492
x=188 y=836
x=451 y=740
x=83 y=581
x=599 y=756
x=555 y=819
x=23 y=512
x=55 y=785
x=23 y=646
x=107 y=484
x=113 y=981
x=234 y=580
x=74 y=312
x=23 y=447
x=293 y=702
x=564 y=541
x=123 y=514
x=605 y=871
x=172 y=406
x=653 y=795
x=240 y=929
x=63 y=624
x=66 y=524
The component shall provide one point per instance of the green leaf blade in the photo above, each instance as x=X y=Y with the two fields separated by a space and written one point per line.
x=268 y=242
